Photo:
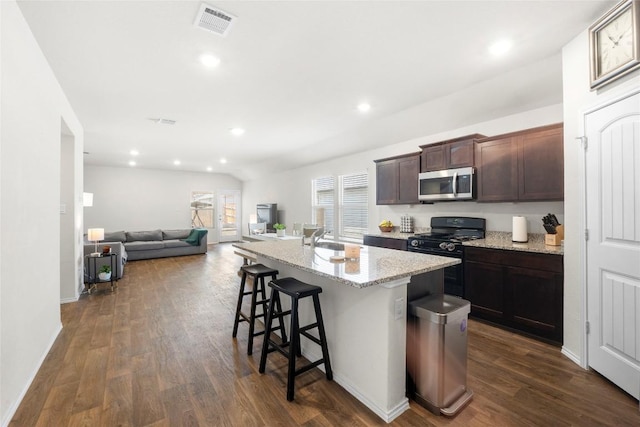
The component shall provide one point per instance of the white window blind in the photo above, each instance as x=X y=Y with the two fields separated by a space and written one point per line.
x=354 y=208
x=324 y=202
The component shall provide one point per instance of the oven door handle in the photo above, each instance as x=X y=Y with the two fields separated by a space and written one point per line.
x=455 y=184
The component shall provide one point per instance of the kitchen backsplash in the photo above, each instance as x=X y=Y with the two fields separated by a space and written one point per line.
x=499 y=216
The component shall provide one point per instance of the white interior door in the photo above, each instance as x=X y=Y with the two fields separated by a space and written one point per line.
x=229 y=215
x=613 y=246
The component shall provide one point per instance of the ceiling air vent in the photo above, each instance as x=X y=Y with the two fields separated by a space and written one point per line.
x=161 y=121
x=214 y=20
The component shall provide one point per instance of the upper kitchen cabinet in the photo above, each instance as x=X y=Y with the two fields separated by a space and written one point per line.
x=450 y=154
x=397 y=179
x=521 y=166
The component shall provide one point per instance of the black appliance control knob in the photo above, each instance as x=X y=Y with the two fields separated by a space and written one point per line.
x=443 y=245
x=415 y=243
x=451 y=247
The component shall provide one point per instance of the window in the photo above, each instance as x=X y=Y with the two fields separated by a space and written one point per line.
x=342 y=209
x=202 y=209
x=354 y=209
x=323 y=202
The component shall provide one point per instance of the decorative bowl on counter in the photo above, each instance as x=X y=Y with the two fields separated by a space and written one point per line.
x=385 y=229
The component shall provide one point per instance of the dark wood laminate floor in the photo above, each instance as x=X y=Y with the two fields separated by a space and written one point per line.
x=159 y=352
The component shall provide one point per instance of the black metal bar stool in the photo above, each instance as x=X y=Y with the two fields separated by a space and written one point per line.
x=257 y=272
x=296 y=290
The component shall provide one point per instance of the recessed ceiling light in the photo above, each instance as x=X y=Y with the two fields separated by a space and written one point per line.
x=132 y=163
x=500 y=47
x=209 y=60
x=364 y=107
x=209 y=168
x=176 y=162
x=223 y=160
x=237 y=131
x=134 y=152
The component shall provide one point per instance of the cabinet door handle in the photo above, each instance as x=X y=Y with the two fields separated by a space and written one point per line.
x=455 y=184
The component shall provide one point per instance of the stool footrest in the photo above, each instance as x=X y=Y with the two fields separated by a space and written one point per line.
x=279 y=348
x=308 y=367
x=311 y=337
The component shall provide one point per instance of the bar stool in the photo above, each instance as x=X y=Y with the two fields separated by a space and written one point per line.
x=257 y=272
x=296 y=290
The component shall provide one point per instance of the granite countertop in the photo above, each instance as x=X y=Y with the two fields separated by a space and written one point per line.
x=502 y=240
x=396 y=234
x=270 y=236
x=376 y=265
x=493 y=239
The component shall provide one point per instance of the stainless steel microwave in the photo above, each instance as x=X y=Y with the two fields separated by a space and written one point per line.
x=448 y=184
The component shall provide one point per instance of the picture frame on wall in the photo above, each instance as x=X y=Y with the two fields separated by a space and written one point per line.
x=615 y=43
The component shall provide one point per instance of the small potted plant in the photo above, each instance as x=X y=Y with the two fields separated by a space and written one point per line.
x=279 y=229
x=104 y=273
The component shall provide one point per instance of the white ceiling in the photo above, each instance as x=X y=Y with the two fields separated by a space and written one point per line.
x=292 y=73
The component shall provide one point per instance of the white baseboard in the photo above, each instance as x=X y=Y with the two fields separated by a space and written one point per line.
x=68 y=300
x=14 y=406
x=572 y=356
x=386 y=415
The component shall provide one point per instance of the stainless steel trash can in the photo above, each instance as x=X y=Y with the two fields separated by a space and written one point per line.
x=437 y=353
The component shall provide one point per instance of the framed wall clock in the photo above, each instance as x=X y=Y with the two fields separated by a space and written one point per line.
x=615 y=43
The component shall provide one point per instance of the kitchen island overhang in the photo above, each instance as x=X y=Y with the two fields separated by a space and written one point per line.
x=364 y=308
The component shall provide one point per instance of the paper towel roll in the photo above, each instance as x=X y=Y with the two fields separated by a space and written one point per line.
x=519 y=233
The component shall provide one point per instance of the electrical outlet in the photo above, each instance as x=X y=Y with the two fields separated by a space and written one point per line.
x=399 y=309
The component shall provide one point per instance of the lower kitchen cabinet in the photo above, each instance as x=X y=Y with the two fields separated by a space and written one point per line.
x=385 y=242
x=519 y=290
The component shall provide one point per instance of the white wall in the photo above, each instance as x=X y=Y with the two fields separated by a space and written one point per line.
x=32 y=109
x=577 y=99
x=134 y=199
x=292 y=189
x=68 y=287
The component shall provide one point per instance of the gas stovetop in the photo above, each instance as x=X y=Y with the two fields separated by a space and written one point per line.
x=447 y=235
x=450 y=237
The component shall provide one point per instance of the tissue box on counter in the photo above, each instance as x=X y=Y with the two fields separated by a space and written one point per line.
x=555 y=239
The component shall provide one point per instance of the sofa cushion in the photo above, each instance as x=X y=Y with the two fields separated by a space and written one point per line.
x=175 y=234
x=175 y=243
x=115 y=236
x=144 y=245
x=144 y=236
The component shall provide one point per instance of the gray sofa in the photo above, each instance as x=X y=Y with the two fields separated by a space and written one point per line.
x=158 y=243
x=136 y=245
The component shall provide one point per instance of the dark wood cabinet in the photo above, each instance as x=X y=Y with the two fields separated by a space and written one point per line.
x=519 y=290
x=484 y=288
x=387 y=176
x=521 y=166
x=385 y=242
x=541 y=165
x=397 y=179
x=450 y=154
x=497 y=171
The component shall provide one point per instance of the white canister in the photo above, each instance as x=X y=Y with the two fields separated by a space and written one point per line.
x=519 y=233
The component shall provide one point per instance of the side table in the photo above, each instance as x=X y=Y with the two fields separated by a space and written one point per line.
x=92 y=270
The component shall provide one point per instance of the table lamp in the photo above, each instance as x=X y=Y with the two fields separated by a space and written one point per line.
x=95 y=235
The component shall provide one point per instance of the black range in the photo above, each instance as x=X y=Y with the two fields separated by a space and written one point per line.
x=445 y=239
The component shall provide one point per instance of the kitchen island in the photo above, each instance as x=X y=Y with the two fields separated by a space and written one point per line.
x=364 y=309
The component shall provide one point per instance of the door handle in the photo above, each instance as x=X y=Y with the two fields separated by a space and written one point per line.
x=455 y=184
